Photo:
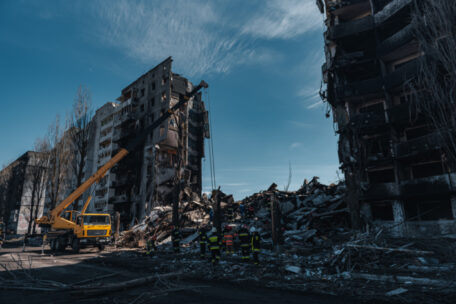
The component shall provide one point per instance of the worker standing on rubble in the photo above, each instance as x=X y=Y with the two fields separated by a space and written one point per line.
x=244 y=238
x=255 y=245
x=150 y=245
x=214 y=246
x=251 y=211
x=242 y=210
x=1 y=232
x=176 y=238
x=202 y=241
x=228 y=239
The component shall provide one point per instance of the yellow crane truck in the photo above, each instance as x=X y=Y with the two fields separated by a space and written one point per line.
x=80 y=229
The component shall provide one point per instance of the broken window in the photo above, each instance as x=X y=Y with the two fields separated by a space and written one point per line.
x=153 y=85
x=376 y=107
x=427 y=169
x=163 y=97
x=142 y=108
x=143 y=92
x=384 y=175
x=152 y=102
x=416 y=132
x=382 y=211
x=428 y=210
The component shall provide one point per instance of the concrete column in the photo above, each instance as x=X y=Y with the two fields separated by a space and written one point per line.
x=399 y=217
x=453 y=206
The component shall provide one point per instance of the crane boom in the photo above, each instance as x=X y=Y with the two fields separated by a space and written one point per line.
x=116 y=158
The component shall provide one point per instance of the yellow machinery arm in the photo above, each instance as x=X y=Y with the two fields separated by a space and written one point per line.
x=81 y=189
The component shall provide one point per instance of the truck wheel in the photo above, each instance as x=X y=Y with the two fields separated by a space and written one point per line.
x=52 y=244
x=59 y=245
x=101 y=247
x=75 y=245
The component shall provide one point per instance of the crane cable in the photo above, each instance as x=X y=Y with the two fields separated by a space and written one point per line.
x=211 y=142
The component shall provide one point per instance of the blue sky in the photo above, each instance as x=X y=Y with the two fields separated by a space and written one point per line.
x=261 y=58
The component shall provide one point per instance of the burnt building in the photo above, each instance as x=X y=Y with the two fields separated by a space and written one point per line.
x=172 y=155
x=392 y=157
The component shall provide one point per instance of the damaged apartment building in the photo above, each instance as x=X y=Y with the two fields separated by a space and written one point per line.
x=392 y=157
x=23 y=192
x=171 y=156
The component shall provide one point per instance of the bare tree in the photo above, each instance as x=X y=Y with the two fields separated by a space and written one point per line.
x=79 y=132
x=60 y=158
x=434 y=89
x=37 y=172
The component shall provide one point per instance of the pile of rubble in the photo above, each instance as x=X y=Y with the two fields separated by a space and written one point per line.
x=309 y=217
x=318 y=251
x=313 y=216
x=193 y=212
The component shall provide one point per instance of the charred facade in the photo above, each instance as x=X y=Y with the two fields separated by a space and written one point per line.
x=392 y=156
x=169 y=158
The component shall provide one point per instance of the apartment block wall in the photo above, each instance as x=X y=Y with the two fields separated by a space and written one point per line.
x=393 y=161
x=16 y=203
x=147 y=175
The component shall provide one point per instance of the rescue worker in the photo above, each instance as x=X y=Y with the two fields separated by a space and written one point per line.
x=228 y=239
x=242 y=210
x=176 y=238
x=150 y=245
x=1 y=232
x=250 y=211
x=203 y=242
x=230 y=212
x=214 y=246
x=255 y=243
x=244 y=238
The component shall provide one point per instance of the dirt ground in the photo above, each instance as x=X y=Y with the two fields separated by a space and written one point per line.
x=124 y=265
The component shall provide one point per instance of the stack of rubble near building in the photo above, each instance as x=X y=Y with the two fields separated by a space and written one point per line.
x=173 y=152
x=317 y=252
x=310 y=218
x=395 y=170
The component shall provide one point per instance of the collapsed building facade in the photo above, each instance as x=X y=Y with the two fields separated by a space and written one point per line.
x=170 y=156
x=392 y=157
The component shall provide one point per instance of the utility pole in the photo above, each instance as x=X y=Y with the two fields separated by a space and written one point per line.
x=275 y=223
x=217 y=210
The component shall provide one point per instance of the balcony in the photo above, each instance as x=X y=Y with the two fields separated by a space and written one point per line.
x=360 y=88
x=389 y=9
x=367 y=121
x=432 y=186
x=402 y=114
x=351 y=27
x=395 y=41
x=382 y=191
x=428 y=187
x=336 y=5
x=418 y=146
x=402 y=74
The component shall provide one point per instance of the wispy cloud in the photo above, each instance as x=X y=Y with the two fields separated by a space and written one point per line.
x=295 y=145
x=310 y=97
x=284 y=19
x=202 y=36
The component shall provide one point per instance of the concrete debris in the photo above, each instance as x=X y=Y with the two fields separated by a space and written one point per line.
x=294 y=269
x=316 y=248
x=396 y=292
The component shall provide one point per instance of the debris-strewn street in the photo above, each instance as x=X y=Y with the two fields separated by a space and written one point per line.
x=127 y=276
